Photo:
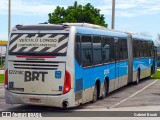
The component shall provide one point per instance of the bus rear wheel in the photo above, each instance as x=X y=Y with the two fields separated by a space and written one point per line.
x=104 y=90
x=95 y=94
x=138 y=78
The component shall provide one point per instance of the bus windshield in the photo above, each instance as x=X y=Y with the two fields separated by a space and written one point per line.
x=38 y=44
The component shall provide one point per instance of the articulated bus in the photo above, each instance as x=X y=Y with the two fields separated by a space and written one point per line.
x=158 y=56
x=70 y=64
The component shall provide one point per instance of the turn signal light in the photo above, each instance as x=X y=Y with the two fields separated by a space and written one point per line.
x=6 y=79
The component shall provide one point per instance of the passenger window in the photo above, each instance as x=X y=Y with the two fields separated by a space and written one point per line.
x=141 y=49
x=135 y=54
x=125 y=49
x=97 y=59
x=86 y=49
x=107 y=49
x=78 y=49
x=121 y=49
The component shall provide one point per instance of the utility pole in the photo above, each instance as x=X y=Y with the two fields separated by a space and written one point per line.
x=113 y=14
x=9 y=17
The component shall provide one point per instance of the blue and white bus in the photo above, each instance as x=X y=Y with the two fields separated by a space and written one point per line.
x=71 y=64
x=158 y=56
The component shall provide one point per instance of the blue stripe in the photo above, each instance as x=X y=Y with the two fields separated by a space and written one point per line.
x=142 y=63
x=90 y=75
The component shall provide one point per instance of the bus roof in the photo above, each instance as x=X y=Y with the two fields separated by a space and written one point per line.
x=85 y=30
x=40 y=27
x=141 y=38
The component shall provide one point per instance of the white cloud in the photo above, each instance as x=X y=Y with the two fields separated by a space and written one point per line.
x=131 y=8
x=23 y=7
x=3 y=8
x=126 y=8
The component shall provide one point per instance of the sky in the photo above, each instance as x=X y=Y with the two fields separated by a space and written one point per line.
x=138 y=16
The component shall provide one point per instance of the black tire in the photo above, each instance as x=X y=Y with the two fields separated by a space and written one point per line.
x=152 y=72
x=137 y=79
x=104 y=90
x=95 y=94
x=150 y=76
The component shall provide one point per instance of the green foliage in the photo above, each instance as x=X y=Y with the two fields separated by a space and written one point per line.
x=1 y=78
x=77 y=14
x=157 y=75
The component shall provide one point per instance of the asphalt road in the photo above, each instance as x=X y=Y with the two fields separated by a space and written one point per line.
x=145 y=96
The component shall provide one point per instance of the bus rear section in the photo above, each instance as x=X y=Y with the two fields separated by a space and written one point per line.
x=36 y=70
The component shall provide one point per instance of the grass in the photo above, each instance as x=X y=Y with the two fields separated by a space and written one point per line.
x=1 y=66
x=157 y=75
x=1 y=78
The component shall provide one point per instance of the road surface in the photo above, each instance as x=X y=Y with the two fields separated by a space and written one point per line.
x=142 y=97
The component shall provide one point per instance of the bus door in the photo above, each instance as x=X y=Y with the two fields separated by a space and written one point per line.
x=121 y=56
x=154 y=60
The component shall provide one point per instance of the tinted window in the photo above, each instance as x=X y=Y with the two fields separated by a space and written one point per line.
x=121 y=49
x=107 y=49
x=124 y=49
x=135 y=54
x=150 y=49
x=146 y=49
x=142 y=48
x=97 y=59
x=86 y=49
x=138 y=49
x=78 y=49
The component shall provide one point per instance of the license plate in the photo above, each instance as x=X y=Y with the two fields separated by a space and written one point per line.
x=35 y=100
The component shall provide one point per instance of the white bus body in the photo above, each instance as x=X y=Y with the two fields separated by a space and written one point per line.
x=37 y=78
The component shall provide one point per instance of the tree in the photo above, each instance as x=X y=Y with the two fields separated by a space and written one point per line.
x=77 y=13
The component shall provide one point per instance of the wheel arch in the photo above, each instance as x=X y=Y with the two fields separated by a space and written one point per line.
x=139 y=70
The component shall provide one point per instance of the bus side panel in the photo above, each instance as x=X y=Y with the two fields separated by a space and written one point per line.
x=122 y=74
x=85 y=79
x=144 y=64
